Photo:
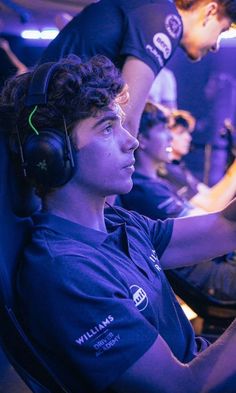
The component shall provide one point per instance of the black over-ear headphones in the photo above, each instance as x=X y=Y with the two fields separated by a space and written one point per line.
x=47 y=154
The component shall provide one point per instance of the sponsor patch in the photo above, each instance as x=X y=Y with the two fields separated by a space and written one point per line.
x=105 y=342
x=163 y=44
x=153 y=257
x=95 y=330
x=139 y=297
x=100 y=337
x=155 y=53
x=173 y=25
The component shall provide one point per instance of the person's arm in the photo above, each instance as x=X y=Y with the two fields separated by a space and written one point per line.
x=164 y=89
x=217 y=197
x=21 y=68
x=139 y=78
x=200 y=238
x=158 y=370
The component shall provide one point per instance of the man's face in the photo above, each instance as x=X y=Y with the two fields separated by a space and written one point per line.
x=105 y=159
x=181 y=140
x=202 y=36
x=157 y=144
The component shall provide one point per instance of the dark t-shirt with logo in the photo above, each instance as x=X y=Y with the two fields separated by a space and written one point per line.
x=147 y=29
x=181 y=178
x=154 y=198
x=95 y=302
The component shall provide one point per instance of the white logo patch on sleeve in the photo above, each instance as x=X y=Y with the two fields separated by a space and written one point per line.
x=173 y=25
x=162 y=42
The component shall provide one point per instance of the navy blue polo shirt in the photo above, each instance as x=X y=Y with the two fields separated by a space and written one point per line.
x=181 y=178
x=154 y=198
x=147 y=29
x=95 y=302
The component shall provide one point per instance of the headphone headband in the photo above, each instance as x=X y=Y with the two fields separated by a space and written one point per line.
x=38 y=90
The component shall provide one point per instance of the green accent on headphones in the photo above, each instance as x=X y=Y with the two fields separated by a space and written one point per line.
x=30 y=120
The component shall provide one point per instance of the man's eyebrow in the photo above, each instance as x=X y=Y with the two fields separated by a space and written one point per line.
x=109 y=116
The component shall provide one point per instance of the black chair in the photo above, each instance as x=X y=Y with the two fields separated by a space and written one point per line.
x=15 y=207
x=216 y=314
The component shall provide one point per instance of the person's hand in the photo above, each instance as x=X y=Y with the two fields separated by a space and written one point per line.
x=4 y=44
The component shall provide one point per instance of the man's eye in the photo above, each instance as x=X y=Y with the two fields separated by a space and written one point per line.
x=108 y=129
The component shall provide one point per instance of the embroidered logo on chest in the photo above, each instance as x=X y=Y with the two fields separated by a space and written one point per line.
x=153 y=257
x=139 y=297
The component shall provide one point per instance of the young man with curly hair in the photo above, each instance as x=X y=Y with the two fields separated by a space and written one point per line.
x=140 y=36
x=92 y=293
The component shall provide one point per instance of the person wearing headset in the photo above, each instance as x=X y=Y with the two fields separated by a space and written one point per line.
x=91 y=291
x=141 y=36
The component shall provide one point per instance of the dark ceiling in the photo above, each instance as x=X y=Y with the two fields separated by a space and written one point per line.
x=18 y=15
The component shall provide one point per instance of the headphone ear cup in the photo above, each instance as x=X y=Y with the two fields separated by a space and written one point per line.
x=48 y=160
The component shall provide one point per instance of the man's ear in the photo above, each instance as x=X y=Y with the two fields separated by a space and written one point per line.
x=211 y=9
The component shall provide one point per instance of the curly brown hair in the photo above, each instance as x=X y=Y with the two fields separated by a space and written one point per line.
x=76 y=91
x=227 y=7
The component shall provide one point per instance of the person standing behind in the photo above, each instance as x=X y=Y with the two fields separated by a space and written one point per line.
x=140 y=36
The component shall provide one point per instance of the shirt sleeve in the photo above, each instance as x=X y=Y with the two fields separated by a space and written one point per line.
x=153 y=32
x=164 y=88
x=158 y=231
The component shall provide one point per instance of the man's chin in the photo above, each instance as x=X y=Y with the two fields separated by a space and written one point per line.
x=126 y=189
x=194 y=58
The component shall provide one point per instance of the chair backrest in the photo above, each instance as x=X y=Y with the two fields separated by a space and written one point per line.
x=15 y=227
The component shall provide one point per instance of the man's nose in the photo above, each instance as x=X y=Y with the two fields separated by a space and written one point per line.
x=134 y=143
x=131 y=143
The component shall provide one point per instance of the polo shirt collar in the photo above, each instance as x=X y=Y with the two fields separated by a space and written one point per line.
x=73 y=230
